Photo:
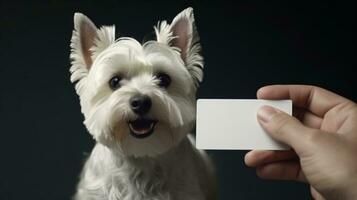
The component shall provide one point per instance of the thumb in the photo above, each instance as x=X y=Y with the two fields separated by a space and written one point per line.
x=283 y=127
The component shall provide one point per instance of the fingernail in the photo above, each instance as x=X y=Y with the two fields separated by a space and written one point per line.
x=259 y=92
x=265 y=113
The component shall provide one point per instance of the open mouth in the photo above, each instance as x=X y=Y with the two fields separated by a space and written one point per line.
x=142 y=127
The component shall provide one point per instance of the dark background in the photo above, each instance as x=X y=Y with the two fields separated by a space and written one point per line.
x=246 y=45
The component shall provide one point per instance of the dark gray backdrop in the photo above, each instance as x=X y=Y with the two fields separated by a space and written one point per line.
x=246 y=44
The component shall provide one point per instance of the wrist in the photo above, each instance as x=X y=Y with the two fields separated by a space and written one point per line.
x=345 y=191
x=351 y=191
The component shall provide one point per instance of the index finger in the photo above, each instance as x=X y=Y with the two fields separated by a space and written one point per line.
x=315 y=99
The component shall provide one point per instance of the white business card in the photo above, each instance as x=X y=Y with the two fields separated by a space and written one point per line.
x=231 y=124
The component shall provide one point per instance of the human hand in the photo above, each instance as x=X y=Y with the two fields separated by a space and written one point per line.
x=323 y=137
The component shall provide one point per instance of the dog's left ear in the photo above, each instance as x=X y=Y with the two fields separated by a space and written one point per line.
x=182 y=34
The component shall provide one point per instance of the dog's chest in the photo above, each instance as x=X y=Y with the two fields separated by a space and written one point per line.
x=171 y=178
x=167 y=180
x=142 y=181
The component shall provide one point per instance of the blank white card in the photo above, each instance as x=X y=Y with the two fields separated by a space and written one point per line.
x=232 y=124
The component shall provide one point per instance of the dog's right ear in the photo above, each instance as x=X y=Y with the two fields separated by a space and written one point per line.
x=87 y=43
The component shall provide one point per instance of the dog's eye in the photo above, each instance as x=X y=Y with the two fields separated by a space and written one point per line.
x=164 y=80
x=114 y=82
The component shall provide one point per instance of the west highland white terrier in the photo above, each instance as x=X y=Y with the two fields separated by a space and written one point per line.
x=139 y=104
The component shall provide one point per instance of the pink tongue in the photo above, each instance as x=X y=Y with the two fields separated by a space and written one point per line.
x=141 y=130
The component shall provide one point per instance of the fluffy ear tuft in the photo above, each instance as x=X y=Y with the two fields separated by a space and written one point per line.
x=163 y=32
x=105 y=37
x=182 y=34
x=86 y=43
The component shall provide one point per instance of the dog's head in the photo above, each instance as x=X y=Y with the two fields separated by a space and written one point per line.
x=137 y=98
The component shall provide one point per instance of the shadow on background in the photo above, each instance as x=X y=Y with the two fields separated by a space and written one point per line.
x=246 y=46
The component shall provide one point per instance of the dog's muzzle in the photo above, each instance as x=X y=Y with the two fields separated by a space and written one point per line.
x=142 y=127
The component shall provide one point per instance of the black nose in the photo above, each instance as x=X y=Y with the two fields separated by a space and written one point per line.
x=140 y=104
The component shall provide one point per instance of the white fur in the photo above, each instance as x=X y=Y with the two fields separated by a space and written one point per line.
x=164 y=165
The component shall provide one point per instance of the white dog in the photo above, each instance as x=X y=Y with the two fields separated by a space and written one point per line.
x=138 y=101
